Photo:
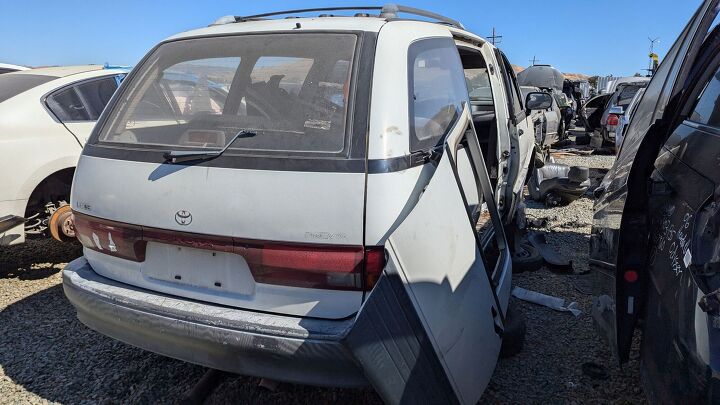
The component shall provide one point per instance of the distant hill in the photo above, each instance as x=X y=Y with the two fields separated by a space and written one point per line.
x=569 y=76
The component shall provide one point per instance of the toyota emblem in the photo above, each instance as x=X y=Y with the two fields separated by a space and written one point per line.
x=183 y=217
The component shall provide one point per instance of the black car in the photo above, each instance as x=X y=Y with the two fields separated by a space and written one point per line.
x=655 y=243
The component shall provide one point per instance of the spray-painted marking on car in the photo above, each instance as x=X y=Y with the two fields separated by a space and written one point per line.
x=325 y=235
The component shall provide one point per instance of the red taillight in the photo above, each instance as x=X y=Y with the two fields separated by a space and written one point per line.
x=613 y=119
x=112 y=238
x=298 y=265
x=631 y=276
x=374 y=265
x=306 y=266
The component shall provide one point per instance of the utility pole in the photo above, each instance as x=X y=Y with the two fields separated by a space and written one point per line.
x=534 y=60
x=494 y=38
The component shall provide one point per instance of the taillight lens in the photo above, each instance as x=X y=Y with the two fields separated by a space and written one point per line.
x=109 y=237
x=298 y=265
x=613 y=119
x=374 y=265
x=305 y=266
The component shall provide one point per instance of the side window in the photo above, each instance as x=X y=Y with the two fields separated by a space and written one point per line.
x=707 y=107
x=515 y=88
x=597 y=102
x=84 y=101
x=437 y=91
x=96 y=94
x=478 y=85
x=511 y=86
x=67 y=105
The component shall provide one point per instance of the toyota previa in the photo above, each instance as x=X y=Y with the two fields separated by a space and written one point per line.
x=314 y=200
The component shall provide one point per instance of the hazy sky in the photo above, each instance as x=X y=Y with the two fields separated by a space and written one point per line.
x=583 y=36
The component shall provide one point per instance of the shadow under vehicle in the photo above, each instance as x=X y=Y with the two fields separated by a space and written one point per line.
x=655 y=239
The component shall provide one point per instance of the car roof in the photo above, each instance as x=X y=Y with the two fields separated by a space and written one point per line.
x=59 y=71
x=11 y=66
x=372 y=24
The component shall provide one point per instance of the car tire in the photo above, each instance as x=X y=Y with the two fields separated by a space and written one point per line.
x=526 y=258
x=513 y=338
x=578 y=174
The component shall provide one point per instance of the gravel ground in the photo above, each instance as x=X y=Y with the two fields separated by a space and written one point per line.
x=46 y=355
x=548 y=370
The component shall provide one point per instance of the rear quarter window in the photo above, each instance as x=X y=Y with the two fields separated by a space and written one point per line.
x=83 y=101
x=437 y=88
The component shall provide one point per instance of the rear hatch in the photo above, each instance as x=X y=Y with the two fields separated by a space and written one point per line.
x=273 y=224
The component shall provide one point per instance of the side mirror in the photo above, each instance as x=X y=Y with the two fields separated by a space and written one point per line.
x=538 y=101
x=617 y=110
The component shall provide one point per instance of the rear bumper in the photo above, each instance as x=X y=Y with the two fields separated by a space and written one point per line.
x=297 y=350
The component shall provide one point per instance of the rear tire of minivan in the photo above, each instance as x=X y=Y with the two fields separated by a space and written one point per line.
x=514 y=333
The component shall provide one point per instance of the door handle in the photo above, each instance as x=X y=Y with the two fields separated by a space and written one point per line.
x=520 y=132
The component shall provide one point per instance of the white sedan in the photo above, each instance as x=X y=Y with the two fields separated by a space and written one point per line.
x=46 y=115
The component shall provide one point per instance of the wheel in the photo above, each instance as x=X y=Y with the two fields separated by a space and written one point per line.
x=514 y=333
x=526 y=258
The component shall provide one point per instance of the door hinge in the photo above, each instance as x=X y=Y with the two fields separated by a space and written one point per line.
x=423 y=157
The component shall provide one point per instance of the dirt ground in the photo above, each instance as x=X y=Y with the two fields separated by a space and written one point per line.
x=46 y=355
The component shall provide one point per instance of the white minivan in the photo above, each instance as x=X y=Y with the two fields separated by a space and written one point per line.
x=307 y=200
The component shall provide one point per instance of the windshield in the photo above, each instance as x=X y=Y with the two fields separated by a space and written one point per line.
x=13 y=84
x=292 y=90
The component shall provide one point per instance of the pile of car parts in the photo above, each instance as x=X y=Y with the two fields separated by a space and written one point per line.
x=556 y=183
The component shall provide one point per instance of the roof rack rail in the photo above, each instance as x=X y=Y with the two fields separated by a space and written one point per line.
x=387 y=11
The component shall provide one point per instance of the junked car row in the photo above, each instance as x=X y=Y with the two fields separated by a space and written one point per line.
x=307 y=199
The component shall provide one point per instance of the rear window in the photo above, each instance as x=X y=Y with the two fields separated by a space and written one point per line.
x=292 y=90
x=626 y=95
x=13 y=84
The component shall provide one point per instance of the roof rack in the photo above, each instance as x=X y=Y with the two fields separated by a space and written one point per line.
x=389 y=11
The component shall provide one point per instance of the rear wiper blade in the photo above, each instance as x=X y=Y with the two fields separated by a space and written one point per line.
x=179 y=156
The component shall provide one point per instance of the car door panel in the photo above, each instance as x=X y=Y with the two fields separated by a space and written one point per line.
x=435 y=301
x=619 y=234
x=682 y=190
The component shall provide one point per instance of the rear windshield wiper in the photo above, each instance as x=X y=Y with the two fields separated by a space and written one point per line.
x=179 y=156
